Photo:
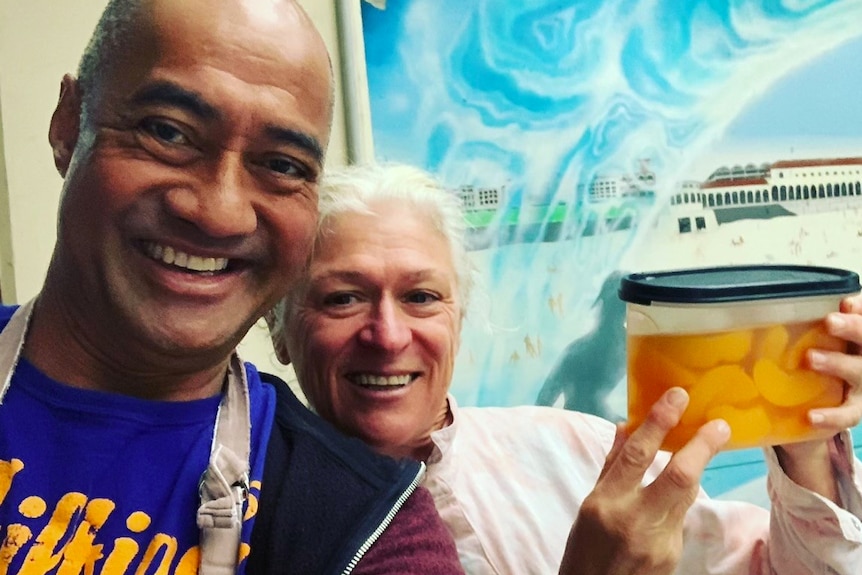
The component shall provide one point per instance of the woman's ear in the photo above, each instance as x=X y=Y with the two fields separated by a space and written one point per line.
x=65 y=124
x=277 y=336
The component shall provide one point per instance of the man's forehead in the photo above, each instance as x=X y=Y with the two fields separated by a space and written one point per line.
x=261 y=16
x=172 y=30
x=173 y=44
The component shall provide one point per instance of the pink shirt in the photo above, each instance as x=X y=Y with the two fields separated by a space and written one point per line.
x=508 y=483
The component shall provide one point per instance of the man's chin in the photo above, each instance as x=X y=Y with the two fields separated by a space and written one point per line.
x=186 y=340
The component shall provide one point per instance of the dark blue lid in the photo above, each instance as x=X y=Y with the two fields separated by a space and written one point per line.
x=736 y=283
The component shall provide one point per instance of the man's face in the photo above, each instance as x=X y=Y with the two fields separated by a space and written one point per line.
x=374 y=337
x=191 y=198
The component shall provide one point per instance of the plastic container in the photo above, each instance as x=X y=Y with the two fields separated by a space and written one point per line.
x=735 y=338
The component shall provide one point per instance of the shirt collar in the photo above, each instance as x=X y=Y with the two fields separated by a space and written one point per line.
x=444 y=438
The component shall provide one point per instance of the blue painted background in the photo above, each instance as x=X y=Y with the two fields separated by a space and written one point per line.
x=541 y=97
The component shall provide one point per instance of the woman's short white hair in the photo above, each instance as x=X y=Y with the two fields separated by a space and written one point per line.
x=354 y=189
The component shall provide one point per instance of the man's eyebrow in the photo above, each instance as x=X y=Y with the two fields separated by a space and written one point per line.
x=173 y=95
x=298 y=139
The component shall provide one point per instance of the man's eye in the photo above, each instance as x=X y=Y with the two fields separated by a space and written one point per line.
x=284 y=166
x=164 y=131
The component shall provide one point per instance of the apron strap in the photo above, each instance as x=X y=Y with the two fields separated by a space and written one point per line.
x=224 y=485
x=11 y=344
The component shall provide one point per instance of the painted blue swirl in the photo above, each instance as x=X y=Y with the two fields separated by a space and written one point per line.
x=539 y=97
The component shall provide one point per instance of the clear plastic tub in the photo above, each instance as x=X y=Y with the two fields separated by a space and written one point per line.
x=735 y=338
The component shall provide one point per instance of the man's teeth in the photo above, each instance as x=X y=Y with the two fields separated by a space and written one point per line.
x=170 y=256
x=382 y=380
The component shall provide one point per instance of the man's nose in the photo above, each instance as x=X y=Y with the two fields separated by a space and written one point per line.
x=219 y=203
x=387 y=329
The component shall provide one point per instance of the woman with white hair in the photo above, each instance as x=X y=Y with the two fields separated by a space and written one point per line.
x=373 y=331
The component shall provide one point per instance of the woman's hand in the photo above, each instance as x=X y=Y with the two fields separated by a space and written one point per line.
x=626 y=528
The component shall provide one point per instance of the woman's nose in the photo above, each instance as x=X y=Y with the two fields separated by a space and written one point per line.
x=388 y=329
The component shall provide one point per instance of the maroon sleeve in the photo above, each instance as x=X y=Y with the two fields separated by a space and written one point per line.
x=416 y=542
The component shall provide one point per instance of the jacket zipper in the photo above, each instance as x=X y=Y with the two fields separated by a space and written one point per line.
x=386 y=520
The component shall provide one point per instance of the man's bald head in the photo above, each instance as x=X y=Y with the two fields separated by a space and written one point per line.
x=122 y=21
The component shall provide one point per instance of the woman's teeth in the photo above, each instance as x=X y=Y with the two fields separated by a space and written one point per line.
x=382 y=380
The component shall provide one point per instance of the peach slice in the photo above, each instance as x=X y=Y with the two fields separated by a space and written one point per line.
x=786 y=389
x=833 y=393
x=650 y=374
x=770 y=342
x=708 y=350
x=747 y=425
x=725 y=384
x=816 y=337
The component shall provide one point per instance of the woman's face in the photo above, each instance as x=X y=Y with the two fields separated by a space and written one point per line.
x=375 y=334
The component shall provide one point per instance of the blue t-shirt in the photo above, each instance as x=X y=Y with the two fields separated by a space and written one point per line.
x=101 y=483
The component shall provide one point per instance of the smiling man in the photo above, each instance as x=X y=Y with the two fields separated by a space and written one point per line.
x=190 y=144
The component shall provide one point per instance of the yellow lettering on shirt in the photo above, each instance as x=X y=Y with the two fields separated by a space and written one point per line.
x=138 y=522
x=121 y=556
x=67 y=544
x=159 y=542
x=80 y=551
x=251 y=511
x=16 y=536
x=189 y=562
x=8 y=469
x=44 y=556
x=33 y=507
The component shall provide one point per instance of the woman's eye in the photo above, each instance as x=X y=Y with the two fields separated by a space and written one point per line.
x=165 y=132
x=340 y=299
x=422 y=297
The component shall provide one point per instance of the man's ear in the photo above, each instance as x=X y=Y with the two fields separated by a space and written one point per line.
x=277 y=341
x=65 y=124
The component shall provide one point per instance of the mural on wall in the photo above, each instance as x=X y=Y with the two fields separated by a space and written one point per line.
x=592 y=138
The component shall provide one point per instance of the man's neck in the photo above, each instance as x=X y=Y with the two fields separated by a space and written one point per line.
x=55 y=346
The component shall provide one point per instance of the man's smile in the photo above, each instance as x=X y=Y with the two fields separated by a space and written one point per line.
x=174 y=257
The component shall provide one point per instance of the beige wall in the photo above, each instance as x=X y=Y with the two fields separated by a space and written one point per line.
x=40 y=40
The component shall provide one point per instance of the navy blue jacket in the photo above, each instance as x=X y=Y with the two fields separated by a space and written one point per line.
x=324 y=495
